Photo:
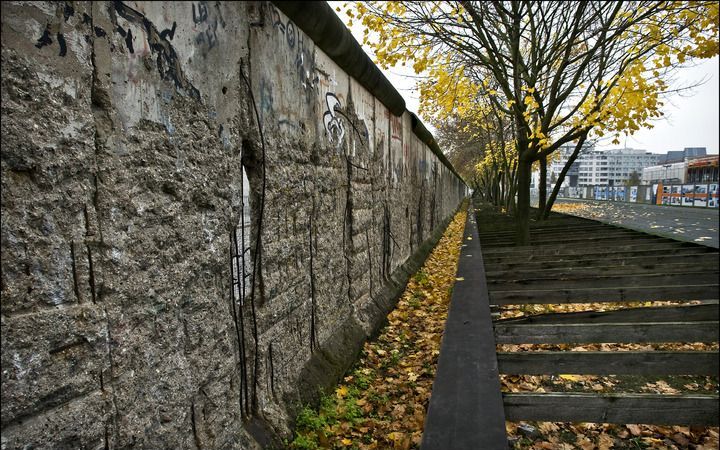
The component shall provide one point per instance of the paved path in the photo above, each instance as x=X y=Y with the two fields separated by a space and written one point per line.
x=699 y=225
x=466 y=405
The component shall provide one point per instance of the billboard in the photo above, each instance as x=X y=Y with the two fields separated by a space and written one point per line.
x=633 y=194
x=713 y=195
x=701 y=194
x=675 y=197
x=688 y=194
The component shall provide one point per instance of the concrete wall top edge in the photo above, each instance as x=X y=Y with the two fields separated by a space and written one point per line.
x=328 y=32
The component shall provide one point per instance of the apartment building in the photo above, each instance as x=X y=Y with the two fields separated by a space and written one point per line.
x=612 y=167
x=562 y=155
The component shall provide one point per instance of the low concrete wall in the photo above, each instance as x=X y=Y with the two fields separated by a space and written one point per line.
x=140 y=142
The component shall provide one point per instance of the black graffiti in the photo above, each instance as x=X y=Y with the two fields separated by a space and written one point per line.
x=129 y=41
x=168 y=34
x=45 y=38
x=86 y=20
x=68 y=11
x=219 y=14
x=290 y=34
x=276 y=21
x=202 y=12
x=167 y=60
x=202 y=15
x=305 y=65
x=99 y=32
x=63 y=46
x=304 y=59
x=332 y=122
x=209 y=36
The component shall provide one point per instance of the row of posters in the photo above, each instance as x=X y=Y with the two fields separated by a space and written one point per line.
x=615 y=193
x=699 y=195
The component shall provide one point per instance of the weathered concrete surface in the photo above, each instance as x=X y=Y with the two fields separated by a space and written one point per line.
x=127 y=131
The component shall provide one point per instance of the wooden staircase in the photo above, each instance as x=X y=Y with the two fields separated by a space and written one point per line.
x=575 y=260
x=571 y=260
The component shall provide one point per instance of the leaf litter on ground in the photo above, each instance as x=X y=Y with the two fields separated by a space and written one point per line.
x=382 y=402
x=587 y=436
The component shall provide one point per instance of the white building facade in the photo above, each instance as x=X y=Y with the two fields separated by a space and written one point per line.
x=562 y=155
x=613 y=167
x=672 y=173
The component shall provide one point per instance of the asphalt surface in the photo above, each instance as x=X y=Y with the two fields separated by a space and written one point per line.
x=699 y=225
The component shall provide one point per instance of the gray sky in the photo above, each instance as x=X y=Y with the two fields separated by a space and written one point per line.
x=691 y=118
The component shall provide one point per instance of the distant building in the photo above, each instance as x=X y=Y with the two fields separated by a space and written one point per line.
x=675 y=156
x=556 y=166
x=703 y=169
x=613 y=167
x=667 y=173
x=692 y=169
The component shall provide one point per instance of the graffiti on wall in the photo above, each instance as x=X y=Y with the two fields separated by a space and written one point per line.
x=332 y=121
x=206 y=25
x=167 y=61
x=304 y=62
x=46 y=38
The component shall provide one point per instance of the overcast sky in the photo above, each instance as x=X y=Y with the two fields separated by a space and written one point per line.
x=691 y=119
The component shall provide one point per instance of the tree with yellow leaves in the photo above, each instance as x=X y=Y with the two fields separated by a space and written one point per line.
x=484 y=153
x=558 y=71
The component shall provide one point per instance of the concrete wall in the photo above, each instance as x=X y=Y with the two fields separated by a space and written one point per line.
x=137 y=139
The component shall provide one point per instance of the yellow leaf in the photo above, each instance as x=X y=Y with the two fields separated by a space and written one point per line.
x=346 y=442
x=341 y=392
x=460 y=279
x=571 y=377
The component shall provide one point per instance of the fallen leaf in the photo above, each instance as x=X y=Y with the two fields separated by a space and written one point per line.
x=571 y=377
x=605 y=442
x=681 y=439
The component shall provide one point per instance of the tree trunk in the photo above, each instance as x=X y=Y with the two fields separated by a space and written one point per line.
x=522 y=211
x=510 y=205
x=510 y=200
x=542 y=186
x=548 y=207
